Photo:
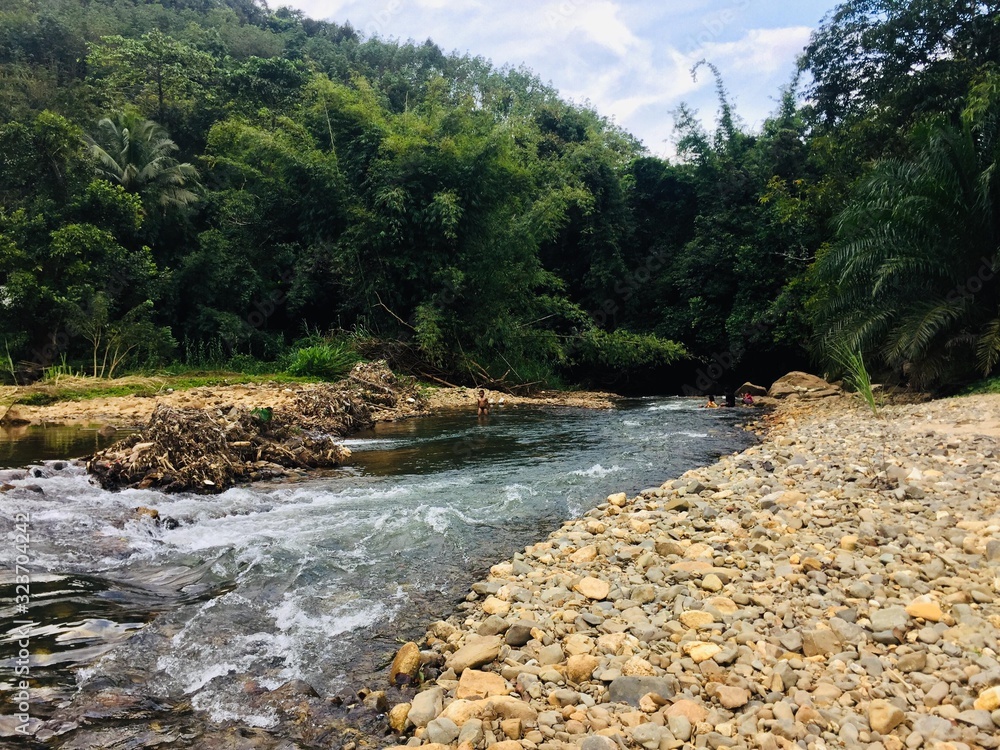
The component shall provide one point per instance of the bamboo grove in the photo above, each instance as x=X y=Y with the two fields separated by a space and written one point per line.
x=213 y=179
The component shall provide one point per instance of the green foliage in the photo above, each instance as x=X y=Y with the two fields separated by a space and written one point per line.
x=624 y=351
x=500 y=231
x=852 y=365
x=136 y=154
x=331 y=361
x=913 y=276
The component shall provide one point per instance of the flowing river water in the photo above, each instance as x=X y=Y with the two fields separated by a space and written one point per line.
x=318 y=579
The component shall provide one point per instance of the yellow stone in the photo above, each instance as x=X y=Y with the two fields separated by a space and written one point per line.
x=577 y=643
x=594 y=588
x=475 y=684
x=693 y=712
x=700 y=651
x=494 y=606
x=711 y=582
x=580 y=668
x=618 y=499
x=406 y=663
x=584 y=555
x=639 y=526
x=723 y=604
x=696 y=619
x=397 y=717
x=988 y=700
x=638 y=667
x=849 y=542
x=926 y=608
x=699 y=550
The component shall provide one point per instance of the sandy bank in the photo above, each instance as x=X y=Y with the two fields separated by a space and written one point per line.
x=134 y=411
x=834 y=586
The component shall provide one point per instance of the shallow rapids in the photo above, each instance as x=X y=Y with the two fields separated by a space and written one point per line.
x=318 y=579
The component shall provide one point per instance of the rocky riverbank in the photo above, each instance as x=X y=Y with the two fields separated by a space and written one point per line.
x=835 y=586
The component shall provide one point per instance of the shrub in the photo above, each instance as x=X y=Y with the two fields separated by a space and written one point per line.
x=325 y=361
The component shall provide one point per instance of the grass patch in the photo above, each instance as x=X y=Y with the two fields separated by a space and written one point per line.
x=856 y=375
x=330 y=361
x=990 y=385
x=75 y=388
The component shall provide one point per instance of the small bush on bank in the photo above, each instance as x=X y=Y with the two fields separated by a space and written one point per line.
x=330 y=361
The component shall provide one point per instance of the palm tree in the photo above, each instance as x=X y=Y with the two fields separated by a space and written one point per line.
x=912 y=279
x=138 y=155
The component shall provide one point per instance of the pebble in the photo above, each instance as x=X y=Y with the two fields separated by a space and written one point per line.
x=835 y=585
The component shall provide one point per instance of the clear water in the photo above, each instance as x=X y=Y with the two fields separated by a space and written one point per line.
x=319 y=579
x=22 y=445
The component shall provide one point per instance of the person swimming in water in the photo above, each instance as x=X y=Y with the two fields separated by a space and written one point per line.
x=483 y=403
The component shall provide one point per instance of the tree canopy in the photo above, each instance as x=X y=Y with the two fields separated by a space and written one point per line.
x=219 y=176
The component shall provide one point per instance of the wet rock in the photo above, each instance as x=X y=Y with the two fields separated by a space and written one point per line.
x=405 y=665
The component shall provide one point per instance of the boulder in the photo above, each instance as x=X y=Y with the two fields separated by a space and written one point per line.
x=753 y=390
x=802 y=384
x=406 y=665
x=593 y=588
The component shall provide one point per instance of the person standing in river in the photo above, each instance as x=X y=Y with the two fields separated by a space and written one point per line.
x=483 y=404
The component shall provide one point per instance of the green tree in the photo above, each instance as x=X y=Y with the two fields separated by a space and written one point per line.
x=912 y=278
x=138 y=155
x=164 y=77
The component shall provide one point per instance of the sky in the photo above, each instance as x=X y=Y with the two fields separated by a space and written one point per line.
x=630 y=60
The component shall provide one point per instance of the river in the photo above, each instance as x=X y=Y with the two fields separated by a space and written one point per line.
x=317 y=579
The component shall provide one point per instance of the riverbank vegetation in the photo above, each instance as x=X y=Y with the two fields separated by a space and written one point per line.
x=200 y=182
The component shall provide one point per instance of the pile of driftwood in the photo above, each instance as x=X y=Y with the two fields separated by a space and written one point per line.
x=194 y=450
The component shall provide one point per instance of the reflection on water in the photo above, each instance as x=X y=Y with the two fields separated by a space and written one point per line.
x=20 y=446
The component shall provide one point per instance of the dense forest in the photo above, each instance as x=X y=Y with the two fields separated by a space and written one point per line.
x=213 y=182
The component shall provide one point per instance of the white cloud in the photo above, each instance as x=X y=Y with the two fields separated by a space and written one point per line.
x=763 y=50
x=630 y=59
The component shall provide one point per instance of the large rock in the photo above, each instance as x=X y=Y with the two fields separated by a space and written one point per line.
x=519 y=632
x=406 y=664
x=801 y=384
x=580 y=668
x=474 y=654
x=883 y=716
x=753 y=390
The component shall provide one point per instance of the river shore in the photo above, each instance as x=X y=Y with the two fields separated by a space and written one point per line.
x=835 y=585
x=129 y=412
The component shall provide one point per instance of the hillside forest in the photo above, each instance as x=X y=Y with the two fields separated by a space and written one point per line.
x=214 y=183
